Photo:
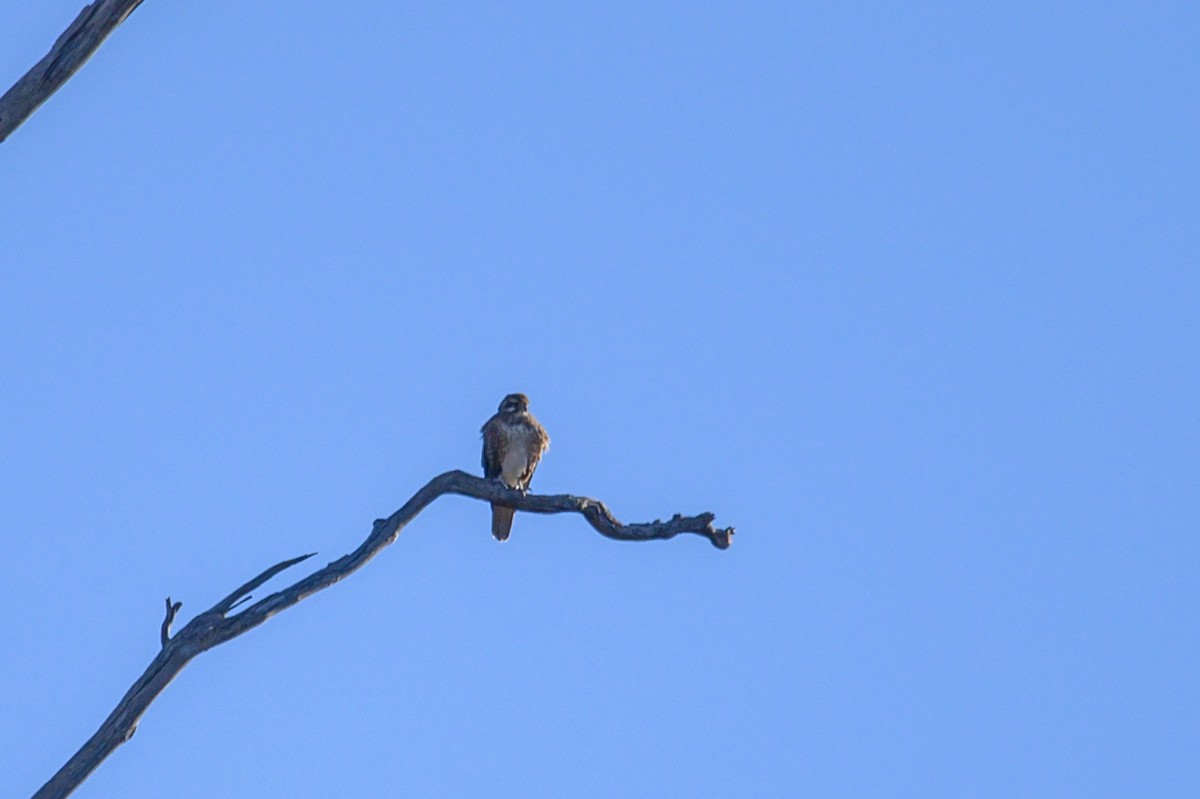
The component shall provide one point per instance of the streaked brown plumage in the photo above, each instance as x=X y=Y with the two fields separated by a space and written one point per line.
x=513 y=443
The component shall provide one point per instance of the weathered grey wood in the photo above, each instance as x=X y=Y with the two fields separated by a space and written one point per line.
x=73 y=48
x=215 y=626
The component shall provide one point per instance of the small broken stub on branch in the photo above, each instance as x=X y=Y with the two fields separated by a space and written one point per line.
x=165 y=632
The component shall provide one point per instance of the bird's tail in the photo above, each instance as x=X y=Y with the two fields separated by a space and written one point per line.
x=502 y=519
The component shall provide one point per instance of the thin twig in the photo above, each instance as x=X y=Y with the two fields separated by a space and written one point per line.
x=165 y=633
x=237 y=596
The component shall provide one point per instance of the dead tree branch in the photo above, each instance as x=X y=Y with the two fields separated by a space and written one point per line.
x=73 y=48
x=164 y=634
x=215 y=626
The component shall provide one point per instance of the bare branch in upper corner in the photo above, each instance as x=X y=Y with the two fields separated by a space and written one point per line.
x=76 y=45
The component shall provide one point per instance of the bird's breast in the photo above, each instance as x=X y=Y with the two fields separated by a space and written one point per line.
x=516 y=461
x=516 y=454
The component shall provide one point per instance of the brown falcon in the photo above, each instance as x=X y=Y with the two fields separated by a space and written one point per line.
x=513 y=443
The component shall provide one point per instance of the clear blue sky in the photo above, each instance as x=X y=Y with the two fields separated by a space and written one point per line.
x=908 y=293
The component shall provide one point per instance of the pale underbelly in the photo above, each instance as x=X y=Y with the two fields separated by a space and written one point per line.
x=516 y=461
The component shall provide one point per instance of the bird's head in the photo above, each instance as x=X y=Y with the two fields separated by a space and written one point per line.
x=514 y=403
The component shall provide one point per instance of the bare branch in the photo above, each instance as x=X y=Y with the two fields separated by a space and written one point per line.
x=215 y=626
x=73 y=48
x=593 y=510
x=165 y=633
x=241 y=594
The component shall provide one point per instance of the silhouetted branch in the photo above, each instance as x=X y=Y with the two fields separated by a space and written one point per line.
x=215 y=626
x=165 y=633
x=73 y=48
x=242 y=594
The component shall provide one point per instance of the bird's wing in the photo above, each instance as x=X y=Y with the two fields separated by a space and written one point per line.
x=538 y=443
x=493 y=443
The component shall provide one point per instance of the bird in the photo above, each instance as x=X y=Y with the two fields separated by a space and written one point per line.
x=513 y=443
